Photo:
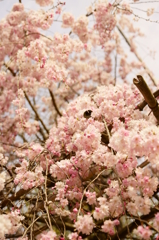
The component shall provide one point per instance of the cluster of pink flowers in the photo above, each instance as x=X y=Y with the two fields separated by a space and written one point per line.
x=105 y=20
x=80 y=27
x=67 y=20
x=50 y=235
x=83 y=136
x=41 y=19
x=85 y=224
x=44 y=3
x=73 y=159
x=143 y=232
x=109 y=225
x=28 y=179
x=156 y=221
x=9 y=223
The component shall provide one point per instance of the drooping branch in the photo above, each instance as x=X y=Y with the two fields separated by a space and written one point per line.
x=54 y=103
x=148 y=96
x=12 y=72
x=31 y=105
x=137 y=56
x=36 y=113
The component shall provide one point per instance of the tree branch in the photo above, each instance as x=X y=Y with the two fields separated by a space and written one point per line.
x=36 y=113
x=137 y=56
x=143 y=104
x=123 y=231
x=148 y=96
x=15 y=197
x=54 y=103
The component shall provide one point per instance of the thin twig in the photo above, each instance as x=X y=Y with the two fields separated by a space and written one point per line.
x=115 y=69
x=46 y=199
x=86 y=189
x=12 y=145
x=74 y=91
x=137 y=56
x=142 y=220
x=144 y=2
x=137 y=16
x=30 y=226
x=64 y=233
x=106 y=127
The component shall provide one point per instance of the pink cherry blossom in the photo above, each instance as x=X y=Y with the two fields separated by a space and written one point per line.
x=84 y=224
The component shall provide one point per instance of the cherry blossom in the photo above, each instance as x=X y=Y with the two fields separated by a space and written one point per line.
x=85 y=224
x=78 y=143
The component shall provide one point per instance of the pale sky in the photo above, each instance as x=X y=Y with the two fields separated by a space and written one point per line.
x=78 y=7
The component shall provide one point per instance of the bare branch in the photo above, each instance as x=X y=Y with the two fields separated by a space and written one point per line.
x=148 y=96
x=30 y=226
x=54 y=103
x=143 y=104
x=46 y=198
x=137 y=56
x=36 y=113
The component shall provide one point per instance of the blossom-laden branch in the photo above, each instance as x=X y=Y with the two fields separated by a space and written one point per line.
x=31 y=105
x=148 y=96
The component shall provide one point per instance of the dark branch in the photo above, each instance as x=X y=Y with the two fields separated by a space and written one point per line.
x=54 y=103
x=36 y=113
x=148 y=96
x=12 y=72
x=15 y=197
x=143 y=104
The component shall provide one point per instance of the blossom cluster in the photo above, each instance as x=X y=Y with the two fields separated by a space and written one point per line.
x=132 y=136
x=10 y=223
x=84 y=164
